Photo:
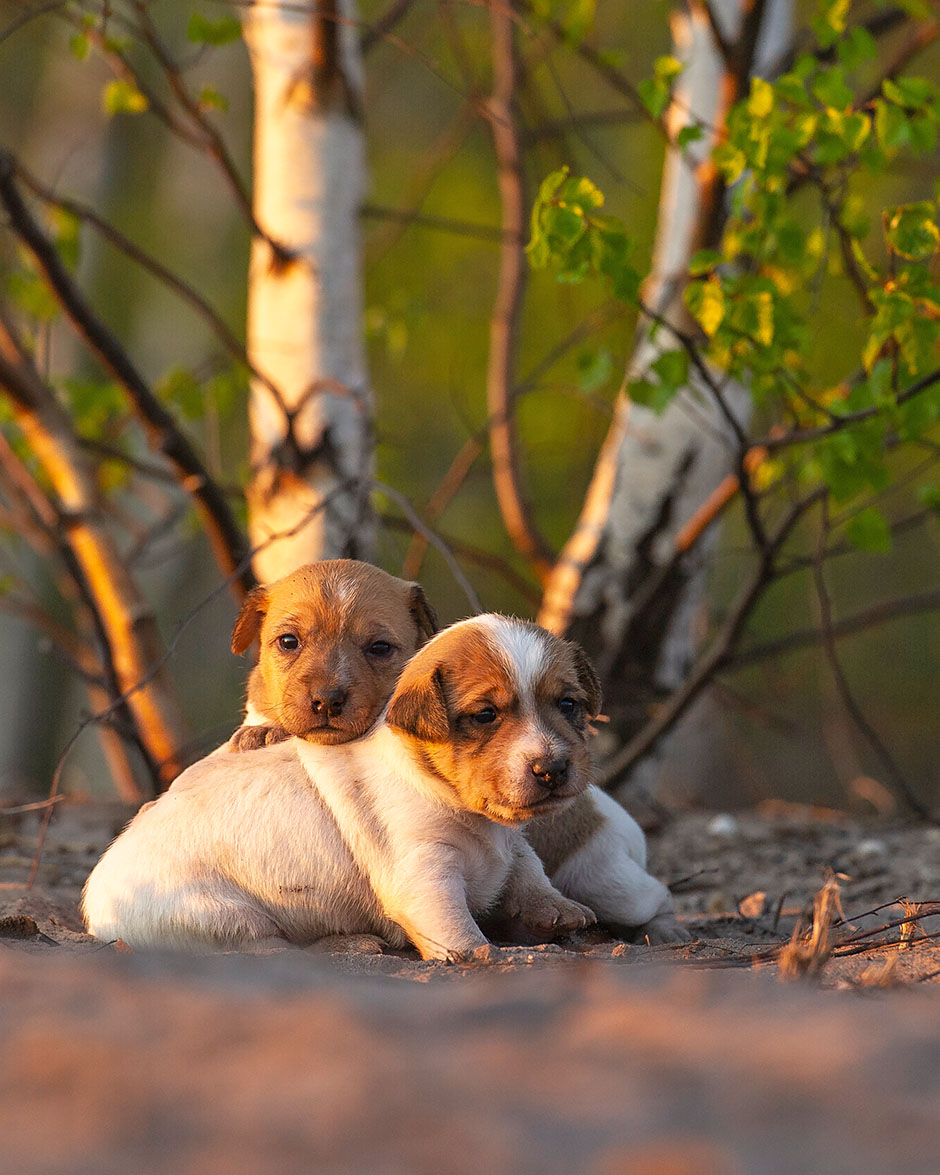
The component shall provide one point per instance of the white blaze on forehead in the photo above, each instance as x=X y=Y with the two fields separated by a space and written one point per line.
x=523 y=647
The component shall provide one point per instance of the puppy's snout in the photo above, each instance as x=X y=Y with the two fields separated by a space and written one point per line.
x=329 y=703
x=550 y=773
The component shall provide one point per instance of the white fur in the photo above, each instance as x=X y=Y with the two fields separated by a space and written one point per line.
x=524 y=649
x=609 y=872
x=297 y=840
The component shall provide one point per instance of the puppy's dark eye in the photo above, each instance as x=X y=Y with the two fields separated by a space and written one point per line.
x=568 y=707
x=379 y=649
x=485 y=716
x=287 y=642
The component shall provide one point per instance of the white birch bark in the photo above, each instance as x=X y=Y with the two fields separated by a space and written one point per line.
x=663 y=466
x=311 y=444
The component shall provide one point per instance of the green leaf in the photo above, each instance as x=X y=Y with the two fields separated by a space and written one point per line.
x=830 y=22
x=203 y=31
x=892 y=125
x=666 y=68
x=594 y=369
x=912 y=231
x=911 y=92
x=830 y=88
x=689 y=134
x=730 y=161
x=856 y=47
x=123 y=97
x=651 y=395
x=211 y=99
x=80 y=46
x=869 y=531
x=581 y=193
x=704 y=261
x=31 y=293
x=654 y=96
x=181 y=388
x=672 y=367
x=929 y=496
x=706 y=303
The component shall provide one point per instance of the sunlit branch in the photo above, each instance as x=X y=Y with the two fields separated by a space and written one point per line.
x=129 y=626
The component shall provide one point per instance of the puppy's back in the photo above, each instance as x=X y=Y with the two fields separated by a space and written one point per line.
x=229 y=856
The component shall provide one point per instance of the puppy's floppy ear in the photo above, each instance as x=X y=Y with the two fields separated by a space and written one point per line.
x=250 y=619
x=418 y=707
x=587 y=676
x=422 y=613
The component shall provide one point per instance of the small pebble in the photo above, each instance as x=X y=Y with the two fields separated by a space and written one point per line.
x=723 y=825
x=872 y=847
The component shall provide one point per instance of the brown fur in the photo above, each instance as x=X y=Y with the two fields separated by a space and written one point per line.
x=435 y=703
x=556 y=841
x=333 y=685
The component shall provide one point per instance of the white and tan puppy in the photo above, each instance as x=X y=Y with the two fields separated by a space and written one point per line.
x=333 y=639
x=411 y=832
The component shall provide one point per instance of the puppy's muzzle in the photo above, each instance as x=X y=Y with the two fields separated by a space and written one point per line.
x=550 y=773
x=328 y=703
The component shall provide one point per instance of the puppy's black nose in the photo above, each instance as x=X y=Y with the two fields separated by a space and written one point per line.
x=551 y=773
x=329 y=702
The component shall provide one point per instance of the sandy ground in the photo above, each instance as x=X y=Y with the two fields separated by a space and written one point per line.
x=594 y=1055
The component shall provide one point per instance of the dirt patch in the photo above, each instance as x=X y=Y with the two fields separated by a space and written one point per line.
x=597 y=1055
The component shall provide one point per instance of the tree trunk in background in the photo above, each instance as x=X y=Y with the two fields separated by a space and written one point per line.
x=311 y=442
x=654 y=471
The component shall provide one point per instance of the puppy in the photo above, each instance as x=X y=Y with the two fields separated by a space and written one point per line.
x=411 y=832
x=334 y=637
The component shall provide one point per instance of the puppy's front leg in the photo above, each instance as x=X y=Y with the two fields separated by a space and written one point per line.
x=428 y=900
x=530 y=898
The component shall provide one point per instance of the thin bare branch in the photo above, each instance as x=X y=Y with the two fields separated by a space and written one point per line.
x=164 y=435
x=380 y=29
x=113 y=235
x=435 y=539
x=804 y=638
x=712 y=660
x=504 y=323
x=893 y=772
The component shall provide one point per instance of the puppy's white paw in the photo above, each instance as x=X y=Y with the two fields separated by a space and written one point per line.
x=662 y=929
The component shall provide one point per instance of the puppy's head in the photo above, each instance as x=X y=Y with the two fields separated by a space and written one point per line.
x=498 y=710
x=334 y=637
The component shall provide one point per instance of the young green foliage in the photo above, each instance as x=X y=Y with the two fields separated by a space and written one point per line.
x=754 y=297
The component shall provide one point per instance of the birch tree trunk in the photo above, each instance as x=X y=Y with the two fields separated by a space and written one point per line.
x=617 y=587
x=310 y=417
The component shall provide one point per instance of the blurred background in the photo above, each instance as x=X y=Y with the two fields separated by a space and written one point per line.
x=772 y=727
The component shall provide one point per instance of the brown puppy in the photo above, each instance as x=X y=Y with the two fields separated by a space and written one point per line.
x=411 y=832
x=334 y=637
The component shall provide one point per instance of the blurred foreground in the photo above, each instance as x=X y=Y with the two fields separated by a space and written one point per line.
x=602 y=1057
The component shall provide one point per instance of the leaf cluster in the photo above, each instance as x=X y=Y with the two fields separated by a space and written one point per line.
x=753 y=297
